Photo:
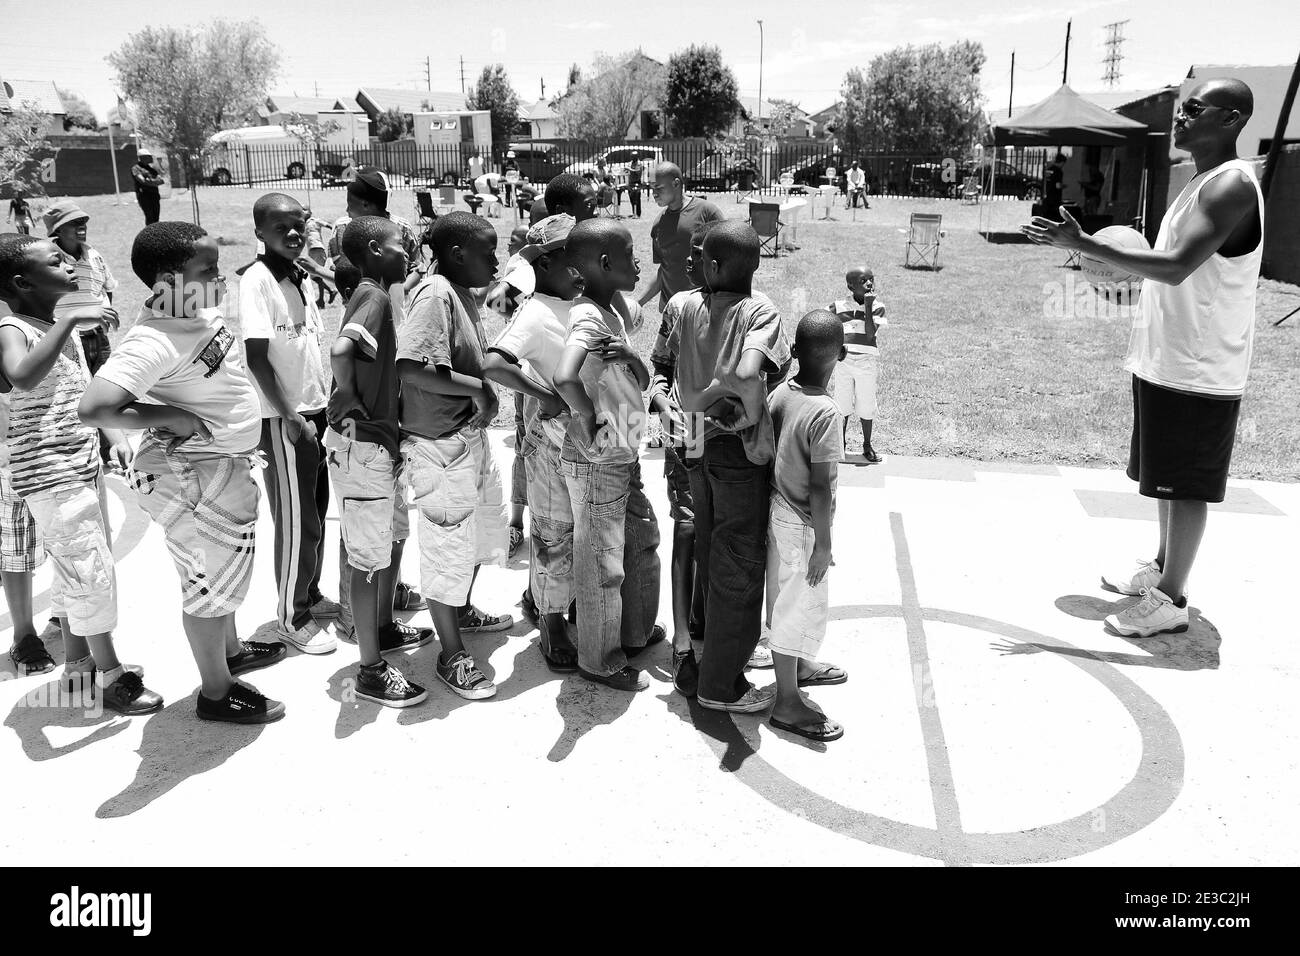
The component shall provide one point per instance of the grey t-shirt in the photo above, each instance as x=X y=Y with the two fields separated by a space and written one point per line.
x=442 y=329
x=809 y=430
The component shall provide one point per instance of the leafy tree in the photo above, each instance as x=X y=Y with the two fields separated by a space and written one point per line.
x=309 y=131
x=699 y=92
x=493 y=92
x=605 y=106
x=77 y=112
x=784 y=112
x=391 y=125
x=575 y=76
x=188 y=83
x=915 y=99
x=22 y=139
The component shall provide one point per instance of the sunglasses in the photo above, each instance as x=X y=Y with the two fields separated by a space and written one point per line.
x=1193 y=109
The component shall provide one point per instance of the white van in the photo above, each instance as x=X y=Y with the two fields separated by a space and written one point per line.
x=254 y=154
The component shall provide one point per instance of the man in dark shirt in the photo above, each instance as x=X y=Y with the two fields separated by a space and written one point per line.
x=147 y=178
x=670 y=236
x=1053 y=184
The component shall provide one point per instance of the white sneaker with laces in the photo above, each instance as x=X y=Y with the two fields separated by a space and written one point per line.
x=1155 y=614
x=1132 y=583
x=761 y=659
x=310 y=638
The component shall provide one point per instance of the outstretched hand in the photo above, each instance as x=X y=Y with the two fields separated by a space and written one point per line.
x=1066 y=234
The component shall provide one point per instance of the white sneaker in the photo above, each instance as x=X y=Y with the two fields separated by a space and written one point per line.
x=762 y=656
x=1146 y=576
x=1155 y=614
x=310 y=638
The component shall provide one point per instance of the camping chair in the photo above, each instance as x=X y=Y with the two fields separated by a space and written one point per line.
x=424 y=211
x=970 y=191
x=765 y=217
x=923 y=239
x=606 y=195
x=485 y=197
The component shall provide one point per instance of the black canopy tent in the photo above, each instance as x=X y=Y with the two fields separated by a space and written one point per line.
x=1065 y=119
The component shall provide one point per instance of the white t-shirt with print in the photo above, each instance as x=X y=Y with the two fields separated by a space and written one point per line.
x=535 y=337
x=287 y=318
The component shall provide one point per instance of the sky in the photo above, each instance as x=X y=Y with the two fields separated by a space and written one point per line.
x=803 y=60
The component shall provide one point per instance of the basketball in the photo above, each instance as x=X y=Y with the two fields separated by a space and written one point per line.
x=1104 y=275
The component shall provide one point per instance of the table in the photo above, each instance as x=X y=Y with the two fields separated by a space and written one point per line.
x=829 y=194
x=790 y=212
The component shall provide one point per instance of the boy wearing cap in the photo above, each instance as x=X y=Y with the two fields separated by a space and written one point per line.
x=66 y=224
x=281 y=328
x=524 y=358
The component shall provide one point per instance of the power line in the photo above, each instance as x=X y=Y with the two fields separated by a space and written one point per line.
x=1114 y=42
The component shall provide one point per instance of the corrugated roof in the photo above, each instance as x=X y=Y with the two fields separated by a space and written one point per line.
x=411 y=101
x=308 y=104
x=541 y=110
x=42 y=94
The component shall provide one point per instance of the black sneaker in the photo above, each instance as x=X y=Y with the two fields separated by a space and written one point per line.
x=254 y=655
x=625 y=678
x=241 y=705
x=686 y=673
x=870 y=455
x=657 y=635
x=402 y=637
x=384 y=684
x=407 y=598
x=528 y=606
x=129 y=697
x=462 y=675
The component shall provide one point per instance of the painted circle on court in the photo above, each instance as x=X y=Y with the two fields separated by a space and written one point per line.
x=1151 y=791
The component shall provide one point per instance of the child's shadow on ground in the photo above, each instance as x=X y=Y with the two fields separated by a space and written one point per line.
x=176 y=746
x=1195 y=649
x=45 y=706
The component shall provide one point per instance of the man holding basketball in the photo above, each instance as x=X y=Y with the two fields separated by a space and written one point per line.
x=1190 y=347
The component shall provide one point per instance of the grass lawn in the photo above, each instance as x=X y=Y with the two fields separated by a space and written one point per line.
x=971 y=366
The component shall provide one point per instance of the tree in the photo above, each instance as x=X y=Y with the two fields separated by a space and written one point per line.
x=784 y=112
x=310 y=132
x=22 y=139
x=493 y=92
x=190 y=83
x=575 y=76
x=915 y=99
x=77 y=112
x=391 y=125
x=699 y=93
x=605 y=106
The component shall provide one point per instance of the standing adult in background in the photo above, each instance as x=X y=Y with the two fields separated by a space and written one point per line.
x=857 y=185
x=1189 y=350
x=635 y=172
x=670 y=236
x=1054 y=184
x=147 y=178
x=1091 y=186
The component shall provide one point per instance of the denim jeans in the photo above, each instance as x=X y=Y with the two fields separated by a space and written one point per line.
x=550 y=524
x=615 y=559
x=731 y=496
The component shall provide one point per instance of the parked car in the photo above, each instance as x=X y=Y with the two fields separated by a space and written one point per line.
x=809 y=170
x=617 y=161
x=258 y=154
x=720 y=172
x=1011 y=180
x=539 y=162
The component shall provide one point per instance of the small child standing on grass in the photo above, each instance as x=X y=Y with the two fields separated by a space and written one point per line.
x=177 y=374
x=809 y=446
x=856 y=376
x=364 y=458
x=446 y=406
x=67 y=225
x=55 y=465
x=20 y=213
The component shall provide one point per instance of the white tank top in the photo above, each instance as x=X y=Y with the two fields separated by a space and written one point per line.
x=1198 y=336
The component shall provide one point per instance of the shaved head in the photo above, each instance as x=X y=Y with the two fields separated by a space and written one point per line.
x=273 y=202
x=668 y=171
x=1227 y=92
x=818 y=338
x=592 y=237
x=732 y=241
x=859 y=272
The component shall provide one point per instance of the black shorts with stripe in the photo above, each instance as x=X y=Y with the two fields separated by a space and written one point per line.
x=1182 y=444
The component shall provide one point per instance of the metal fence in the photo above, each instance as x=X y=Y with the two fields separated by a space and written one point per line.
x=706 y=166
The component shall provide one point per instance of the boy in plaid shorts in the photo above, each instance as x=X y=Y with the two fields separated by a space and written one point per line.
x=177 y=374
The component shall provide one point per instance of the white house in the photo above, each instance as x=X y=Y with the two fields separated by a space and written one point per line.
x=41 y=95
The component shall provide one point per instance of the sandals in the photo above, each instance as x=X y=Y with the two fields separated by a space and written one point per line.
x=825 y=674
x=823 y=730
x=561 y=660
x=30 y=656
x=516 y=539
x=475 y=620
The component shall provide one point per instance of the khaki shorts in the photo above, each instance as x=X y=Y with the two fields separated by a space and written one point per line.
x=372 y=502
x=855 y=384
x=455 y=484
x=207 y=508
x=799 y=614
x=73 y=523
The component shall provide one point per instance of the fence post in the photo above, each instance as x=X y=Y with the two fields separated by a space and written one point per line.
x=248 y=166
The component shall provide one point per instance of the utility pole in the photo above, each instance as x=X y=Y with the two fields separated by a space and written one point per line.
x=543 y=82
x=1114 y=40
x=428 y=74
x=760 y=77
x=315 y=87
x=462 y=74
x=1065 y=71
x=1011 y=97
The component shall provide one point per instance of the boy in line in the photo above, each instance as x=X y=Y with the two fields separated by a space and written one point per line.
x=55 y=467
x=809 y=445
x=446 y=405
x=281 y=328
x=524 y=358
x=67 y=225
x=730 y=347
x=177 y=374
x=664 y=399
x=615 y=533
x=568 y=194
x=364 y=457
x=855 y=377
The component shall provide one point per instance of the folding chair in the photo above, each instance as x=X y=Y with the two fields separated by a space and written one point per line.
x=483 y=196
x=424 y=211
x=765 y=217
x=605 y=198
x=923 y=239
